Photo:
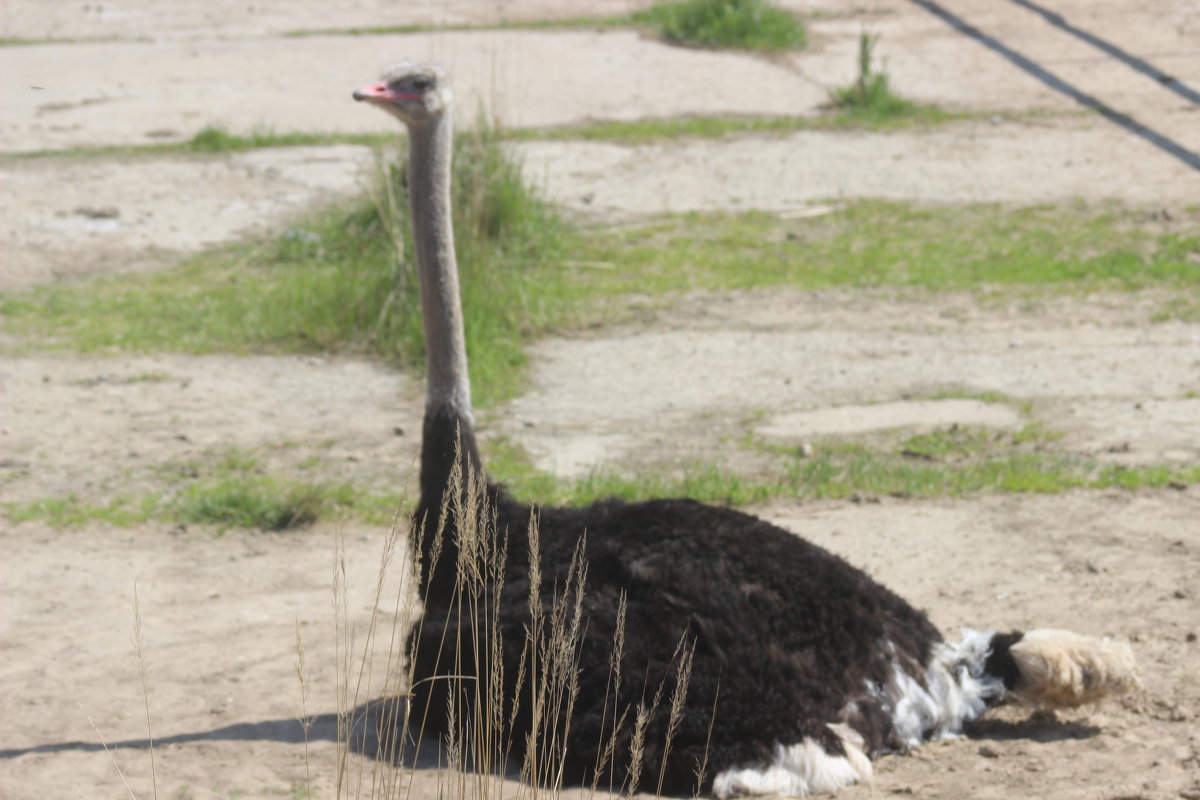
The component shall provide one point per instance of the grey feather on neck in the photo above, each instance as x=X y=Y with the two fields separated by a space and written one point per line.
x=429 y=156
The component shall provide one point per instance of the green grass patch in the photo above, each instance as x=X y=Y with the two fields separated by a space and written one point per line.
x=642 y=131
x=252 y=501
x=217 y=139
x=233 y=489
x=985 y=248
x=956 y=443
x=962 y=393
x=17 y=41
x=843 y=471
x=335 y=281
x=211 y=139
x=153 y=376
x=731 y=24
x=72 y=510
x=954 y=462
x=1184 y=307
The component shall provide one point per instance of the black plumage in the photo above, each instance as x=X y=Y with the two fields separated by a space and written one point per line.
x=785 y=634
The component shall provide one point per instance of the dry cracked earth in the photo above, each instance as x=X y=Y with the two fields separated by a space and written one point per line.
x=219 y=613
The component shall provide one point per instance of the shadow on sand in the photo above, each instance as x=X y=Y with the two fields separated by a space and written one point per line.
x=372 y=725
x=370 y=732
x=1041 y=727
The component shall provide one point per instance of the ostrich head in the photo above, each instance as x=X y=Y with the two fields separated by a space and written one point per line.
x=415 y=93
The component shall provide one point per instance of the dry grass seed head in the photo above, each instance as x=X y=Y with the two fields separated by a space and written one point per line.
x=683 y=675
x=637 y=748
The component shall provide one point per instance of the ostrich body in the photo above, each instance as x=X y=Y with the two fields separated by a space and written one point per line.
x=802 y=666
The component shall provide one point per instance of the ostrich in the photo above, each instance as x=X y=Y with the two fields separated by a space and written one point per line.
x=802 y=668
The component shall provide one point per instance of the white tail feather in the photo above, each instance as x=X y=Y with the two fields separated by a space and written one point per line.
x=1064 y=669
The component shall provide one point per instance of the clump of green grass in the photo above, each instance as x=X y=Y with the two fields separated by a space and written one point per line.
x=262 y=502
x=870 y=97
x=216 y=139
x=235 y=490
x=735 y=24
x=344 y=279
x=228 y=489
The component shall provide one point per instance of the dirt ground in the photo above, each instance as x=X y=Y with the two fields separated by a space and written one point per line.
x=219 y=612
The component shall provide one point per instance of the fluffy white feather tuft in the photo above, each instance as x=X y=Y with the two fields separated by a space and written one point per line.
x=1064 y=669
x=800 y=770
x=956 y=690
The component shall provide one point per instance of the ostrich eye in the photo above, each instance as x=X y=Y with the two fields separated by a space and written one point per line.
x=422 y=84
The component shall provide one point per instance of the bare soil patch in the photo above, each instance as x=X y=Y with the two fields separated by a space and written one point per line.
x=715 y=366
x=74 y=217
x=197 y=19
x=95 y=427
x=1020 y=162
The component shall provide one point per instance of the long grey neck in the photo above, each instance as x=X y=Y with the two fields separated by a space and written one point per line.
x=429 y=149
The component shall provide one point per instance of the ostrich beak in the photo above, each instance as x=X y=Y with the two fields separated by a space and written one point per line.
x=382 y=93
x=376 y=92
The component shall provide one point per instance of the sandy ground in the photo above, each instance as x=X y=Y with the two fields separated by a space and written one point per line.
x=795 y=366
x=220 y=611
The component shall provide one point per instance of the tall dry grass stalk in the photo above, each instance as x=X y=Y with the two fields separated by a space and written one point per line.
x=702 y=767
x=107 y=751
x=139 y=648
x=485 y=724
x=358 y=679
x=306 y=720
